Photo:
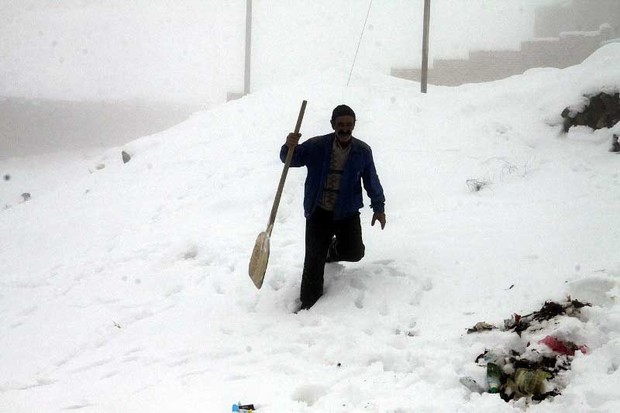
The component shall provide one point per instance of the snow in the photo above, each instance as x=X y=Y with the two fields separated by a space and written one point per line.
x=124 y=287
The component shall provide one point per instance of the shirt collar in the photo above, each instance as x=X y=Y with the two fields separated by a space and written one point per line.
x=352 y=145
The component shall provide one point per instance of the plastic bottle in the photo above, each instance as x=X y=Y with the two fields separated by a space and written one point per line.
x=471 y=384
x=494 y=377
x=490 y=356
x=530 y=382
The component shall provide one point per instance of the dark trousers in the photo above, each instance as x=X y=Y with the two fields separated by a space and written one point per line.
x=320 y=228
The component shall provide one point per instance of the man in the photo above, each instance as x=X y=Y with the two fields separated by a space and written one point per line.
x=337 y=165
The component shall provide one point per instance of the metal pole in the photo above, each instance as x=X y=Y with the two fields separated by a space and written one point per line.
x=248 y=46
x=427 y=19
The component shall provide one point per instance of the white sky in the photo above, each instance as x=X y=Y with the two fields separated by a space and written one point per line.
x=192 y=51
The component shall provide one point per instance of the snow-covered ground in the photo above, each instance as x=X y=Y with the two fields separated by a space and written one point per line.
x=124 y=287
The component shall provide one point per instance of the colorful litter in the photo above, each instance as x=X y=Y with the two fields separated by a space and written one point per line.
x=533 y=371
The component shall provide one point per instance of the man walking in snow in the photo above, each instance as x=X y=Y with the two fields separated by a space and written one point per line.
x=337 y=165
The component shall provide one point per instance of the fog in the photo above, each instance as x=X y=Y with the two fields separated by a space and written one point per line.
x=193 y=51
x=145 y=65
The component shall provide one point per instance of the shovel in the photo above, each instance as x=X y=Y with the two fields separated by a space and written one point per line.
x=260 y=254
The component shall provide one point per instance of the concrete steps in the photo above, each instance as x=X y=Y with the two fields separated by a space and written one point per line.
x=583 y=33
x=489 y=65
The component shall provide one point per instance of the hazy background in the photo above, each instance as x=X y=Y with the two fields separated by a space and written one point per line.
x=192 y=51
x=136 y=67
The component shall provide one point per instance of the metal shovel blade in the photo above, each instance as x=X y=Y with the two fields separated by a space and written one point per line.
x=260 y=257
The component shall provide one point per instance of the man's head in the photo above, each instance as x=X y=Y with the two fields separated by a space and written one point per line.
x=343 y=122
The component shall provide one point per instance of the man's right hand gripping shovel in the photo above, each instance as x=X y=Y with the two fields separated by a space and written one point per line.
x=292 y=139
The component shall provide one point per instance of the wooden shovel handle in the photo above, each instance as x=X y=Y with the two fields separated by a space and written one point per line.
x=287 y=164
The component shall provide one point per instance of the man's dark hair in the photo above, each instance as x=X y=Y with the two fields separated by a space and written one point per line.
x=342 y=110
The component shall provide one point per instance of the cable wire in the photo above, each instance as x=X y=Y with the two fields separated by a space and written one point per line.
x=359 y=42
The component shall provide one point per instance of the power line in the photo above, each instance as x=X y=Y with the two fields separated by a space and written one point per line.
x=359 y=42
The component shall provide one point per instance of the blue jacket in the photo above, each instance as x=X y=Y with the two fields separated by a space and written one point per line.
x=315 y=154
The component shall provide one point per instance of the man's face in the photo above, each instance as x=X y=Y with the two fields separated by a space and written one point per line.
x=343 y=126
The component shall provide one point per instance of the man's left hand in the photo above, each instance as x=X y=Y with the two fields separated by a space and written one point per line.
x=378 y=216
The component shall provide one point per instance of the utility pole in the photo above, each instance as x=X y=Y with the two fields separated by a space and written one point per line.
x=427 y=20
x=248 y=46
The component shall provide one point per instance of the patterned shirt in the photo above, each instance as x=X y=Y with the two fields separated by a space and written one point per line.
x=336 y=168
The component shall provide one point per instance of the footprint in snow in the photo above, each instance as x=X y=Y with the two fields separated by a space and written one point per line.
x=357 y=283
x=309 y=393
x=92 y=366
x=595 y=290
x=109 y=375
x=191 y=253
x=383 y=262
x=79 y=406
x=334 y=269
x=359 y=301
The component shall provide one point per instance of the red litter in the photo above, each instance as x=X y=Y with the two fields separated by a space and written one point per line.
x=562 y=347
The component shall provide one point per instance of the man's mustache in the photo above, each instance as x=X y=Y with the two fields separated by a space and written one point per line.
x=344 y=133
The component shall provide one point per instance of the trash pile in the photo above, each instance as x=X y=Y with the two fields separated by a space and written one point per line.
x=536 y=371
